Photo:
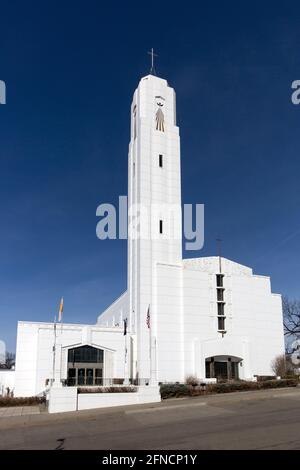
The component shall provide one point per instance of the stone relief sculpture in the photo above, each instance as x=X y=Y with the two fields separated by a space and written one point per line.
x=160 y=118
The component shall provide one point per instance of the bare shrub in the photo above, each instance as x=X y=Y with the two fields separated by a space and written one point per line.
x=192 y=380
x=279 y=365
x=21 y=401
x=107 y=389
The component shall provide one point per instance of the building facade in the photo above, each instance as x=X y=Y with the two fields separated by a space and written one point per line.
x=209 y=316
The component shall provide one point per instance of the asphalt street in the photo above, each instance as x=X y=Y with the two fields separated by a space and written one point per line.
x=247 y=420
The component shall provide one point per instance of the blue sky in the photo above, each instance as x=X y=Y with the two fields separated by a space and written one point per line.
x=70 y=69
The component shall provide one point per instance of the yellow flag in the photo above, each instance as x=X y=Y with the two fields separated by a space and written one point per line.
x=61 y=308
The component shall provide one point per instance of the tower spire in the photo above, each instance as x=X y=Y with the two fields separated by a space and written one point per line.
x=219 y=247
x=152 y=54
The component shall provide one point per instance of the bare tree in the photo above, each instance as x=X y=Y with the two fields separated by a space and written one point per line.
x=279 y=365
x=291 y=317
x=10 y=360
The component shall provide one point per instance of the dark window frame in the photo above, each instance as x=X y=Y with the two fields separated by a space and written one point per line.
x=220 y=294
x=221 y=323
x=161 y=226
x=85 y=354
x=221 y=309
x=219 y=280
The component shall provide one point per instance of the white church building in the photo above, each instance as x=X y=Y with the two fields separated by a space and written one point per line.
x=208 y=316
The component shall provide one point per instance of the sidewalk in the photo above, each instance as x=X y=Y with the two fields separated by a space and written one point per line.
x=8 y=411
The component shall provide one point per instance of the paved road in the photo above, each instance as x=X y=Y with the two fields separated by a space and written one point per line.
x=248 y=420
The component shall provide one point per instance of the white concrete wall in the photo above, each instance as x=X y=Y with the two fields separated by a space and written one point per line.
x=198 y=320
x=185 y=324
x=168 y=324
x=115 y=313
x=66 y=399
x=7 y=380
x=34 y=362
x=62 y=399
x=26 y=359
x=253 y=317
x=102 y=400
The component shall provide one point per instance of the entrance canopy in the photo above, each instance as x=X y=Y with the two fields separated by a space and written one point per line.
x=222 y=367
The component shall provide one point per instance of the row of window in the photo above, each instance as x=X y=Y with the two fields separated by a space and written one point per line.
x=221 y=303
x=85 y=354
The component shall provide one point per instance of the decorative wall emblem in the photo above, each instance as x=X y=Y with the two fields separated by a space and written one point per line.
x=160 y=118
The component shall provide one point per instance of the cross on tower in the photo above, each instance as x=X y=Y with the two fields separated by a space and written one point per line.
x=152 y=70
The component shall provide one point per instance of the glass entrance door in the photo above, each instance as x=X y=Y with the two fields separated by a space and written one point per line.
x=221 y=370
x=81 y=376
x=89 y=376
x=85 y=376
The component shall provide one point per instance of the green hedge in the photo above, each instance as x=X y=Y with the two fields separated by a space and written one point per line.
x=181 y=390
x=174 y=390
x=23 y=401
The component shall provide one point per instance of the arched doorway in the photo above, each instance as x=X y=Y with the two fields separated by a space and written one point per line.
x=85 y=366
x=222 y=367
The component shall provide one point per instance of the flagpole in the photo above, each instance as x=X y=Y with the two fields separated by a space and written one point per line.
x=126 y=381
x=60 y=316
x=61 y=333
x=150 y=346
x=126 y=362
x=54 y=350
x=150 y=355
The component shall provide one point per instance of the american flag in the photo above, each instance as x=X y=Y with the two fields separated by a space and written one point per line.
x=148 y=317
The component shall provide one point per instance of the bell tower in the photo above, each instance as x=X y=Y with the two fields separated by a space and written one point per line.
x=154 y=206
